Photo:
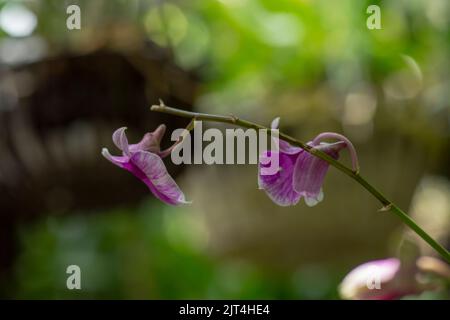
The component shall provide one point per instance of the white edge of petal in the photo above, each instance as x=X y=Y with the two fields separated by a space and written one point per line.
x=121 y=133
x=312 y=201
x=106 y=154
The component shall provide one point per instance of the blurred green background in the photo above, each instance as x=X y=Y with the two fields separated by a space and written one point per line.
x=313 y=63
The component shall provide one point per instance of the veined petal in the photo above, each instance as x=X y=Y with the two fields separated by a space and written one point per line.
x=310 y=171
x=120 y=140
x=308 y=176
x=154 y=173
x=279 y=186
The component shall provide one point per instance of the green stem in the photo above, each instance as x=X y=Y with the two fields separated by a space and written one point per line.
x=387 y=204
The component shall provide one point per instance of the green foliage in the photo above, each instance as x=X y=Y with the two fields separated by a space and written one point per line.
x=147 y=253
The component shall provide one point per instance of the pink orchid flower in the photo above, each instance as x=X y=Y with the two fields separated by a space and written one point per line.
x=144 y=160
x=389 y=279
x=301 y=174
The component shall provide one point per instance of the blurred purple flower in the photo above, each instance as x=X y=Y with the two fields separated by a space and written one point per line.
x=143 y=159
x=300 y=173
x=389 y=279
x=372 y=280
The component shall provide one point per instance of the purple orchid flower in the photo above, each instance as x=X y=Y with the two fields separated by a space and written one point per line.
x=144 y=160
x=301 y=174
x=389 y=279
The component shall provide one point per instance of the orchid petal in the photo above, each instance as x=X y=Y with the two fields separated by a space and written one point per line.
x=310 y=171
x=308 y=176
x=120 y=140
x=279 y=186
x=150 y=142
x=154 y=174
x=117 y=160
x=348 y=145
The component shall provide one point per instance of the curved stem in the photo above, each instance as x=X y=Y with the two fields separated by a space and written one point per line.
x=387 y=204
